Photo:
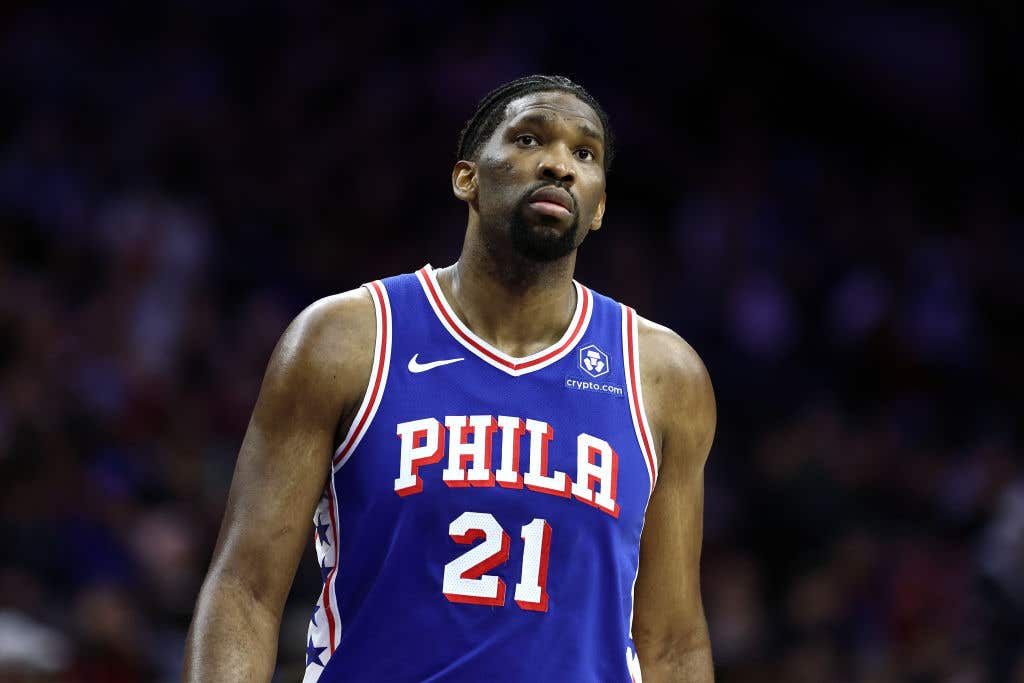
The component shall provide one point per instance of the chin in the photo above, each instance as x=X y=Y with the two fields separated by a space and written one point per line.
x=543 y=242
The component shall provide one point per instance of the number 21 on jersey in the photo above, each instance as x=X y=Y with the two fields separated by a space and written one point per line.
x=465 y=577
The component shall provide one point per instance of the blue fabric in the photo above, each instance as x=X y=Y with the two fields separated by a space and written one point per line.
x=396 y=623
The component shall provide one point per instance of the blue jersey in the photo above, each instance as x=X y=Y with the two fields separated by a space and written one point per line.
x=483 y=515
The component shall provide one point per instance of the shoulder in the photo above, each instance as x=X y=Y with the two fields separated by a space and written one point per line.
x=671 y=360
x=678 y=395
x=339 y=319
x=327 y=349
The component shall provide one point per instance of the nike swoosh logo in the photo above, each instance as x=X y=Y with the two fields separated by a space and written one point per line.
x=423 y=367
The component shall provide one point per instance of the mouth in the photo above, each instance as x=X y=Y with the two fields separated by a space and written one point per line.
x=550 y=208
x=551 y=201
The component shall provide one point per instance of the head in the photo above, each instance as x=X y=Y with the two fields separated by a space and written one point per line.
x=533 y=144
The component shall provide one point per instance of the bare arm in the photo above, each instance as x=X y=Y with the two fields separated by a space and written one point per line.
x=315 y=377
x=669 y=627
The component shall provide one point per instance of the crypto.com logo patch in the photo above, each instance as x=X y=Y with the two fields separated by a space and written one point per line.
x=593 y=361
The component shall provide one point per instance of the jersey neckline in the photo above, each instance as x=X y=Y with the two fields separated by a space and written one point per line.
x=512 y=365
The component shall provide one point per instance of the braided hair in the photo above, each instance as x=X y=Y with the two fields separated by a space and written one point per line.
x=491 y=111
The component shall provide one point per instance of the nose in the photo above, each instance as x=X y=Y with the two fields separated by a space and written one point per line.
x=555 y=166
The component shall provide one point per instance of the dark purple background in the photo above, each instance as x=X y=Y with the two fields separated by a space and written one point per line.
x=823 y=201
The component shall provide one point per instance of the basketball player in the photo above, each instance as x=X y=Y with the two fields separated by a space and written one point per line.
x=479 y=447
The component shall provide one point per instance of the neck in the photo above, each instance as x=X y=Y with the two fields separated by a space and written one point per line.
x=516 y=305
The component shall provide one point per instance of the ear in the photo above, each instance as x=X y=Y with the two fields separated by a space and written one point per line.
x=599 y=213
x=464 y=180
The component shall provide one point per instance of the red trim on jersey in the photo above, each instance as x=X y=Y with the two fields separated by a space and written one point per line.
x=378 y=374
x=442 y=306
x=634 y=366
x=330 y=574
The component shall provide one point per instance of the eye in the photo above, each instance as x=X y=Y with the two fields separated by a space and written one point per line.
x=528 y=136
x=586 y=151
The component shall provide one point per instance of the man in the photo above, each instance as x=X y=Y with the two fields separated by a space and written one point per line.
x=500 y=436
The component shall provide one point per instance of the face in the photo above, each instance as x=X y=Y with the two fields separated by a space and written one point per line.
x=548 y=150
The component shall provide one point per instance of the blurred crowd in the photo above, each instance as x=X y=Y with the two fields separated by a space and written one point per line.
x=821 y=203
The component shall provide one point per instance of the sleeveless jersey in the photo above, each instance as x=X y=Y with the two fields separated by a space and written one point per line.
x=483 y=515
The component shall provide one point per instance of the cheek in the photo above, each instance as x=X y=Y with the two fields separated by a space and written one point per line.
x=498 y=180
x=498 y=166
x=594 y=193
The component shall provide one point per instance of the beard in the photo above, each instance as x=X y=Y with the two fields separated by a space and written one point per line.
x=538 y=243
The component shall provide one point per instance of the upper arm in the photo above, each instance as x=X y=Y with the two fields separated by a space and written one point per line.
x=680 y=403
x=317 y=372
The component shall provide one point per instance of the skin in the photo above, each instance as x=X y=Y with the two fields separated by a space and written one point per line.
x=669 y=627
x=313 y=384
x=320 y=369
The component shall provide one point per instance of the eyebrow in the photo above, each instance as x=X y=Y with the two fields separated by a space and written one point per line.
x=546 y=120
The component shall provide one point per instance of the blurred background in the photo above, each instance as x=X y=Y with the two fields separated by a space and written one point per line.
x=824 y=201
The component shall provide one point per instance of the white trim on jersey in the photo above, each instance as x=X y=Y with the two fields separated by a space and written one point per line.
x=332 y=603
x=378 y=375
x=634 y=389
x=493 y=356
x=325 y=634
x=330 y=628
x=634 y=392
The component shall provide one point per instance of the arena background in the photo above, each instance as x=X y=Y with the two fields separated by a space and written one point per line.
x=824 y=200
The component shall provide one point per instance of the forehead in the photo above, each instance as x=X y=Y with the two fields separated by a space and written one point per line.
x=559 y=104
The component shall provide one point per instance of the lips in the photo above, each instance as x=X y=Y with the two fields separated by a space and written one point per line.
x=553 y=195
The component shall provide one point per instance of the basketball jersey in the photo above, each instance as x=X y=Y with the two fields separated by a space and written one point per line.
x=483 y=515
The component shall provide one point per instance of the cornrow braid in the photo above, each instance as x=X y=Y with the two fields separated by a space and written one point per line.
x=491 y=111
